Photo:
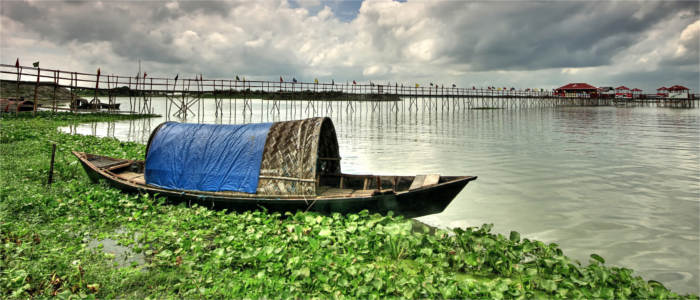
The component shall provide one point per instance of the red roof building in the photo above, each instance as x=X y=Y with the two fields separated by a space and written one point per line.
x=575 y=90
x=623 y=92
x=678 y=88
x=679 y=91
x=577 y=87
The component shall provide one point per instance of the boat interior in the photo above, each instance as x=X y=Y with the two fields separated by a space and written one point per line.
x=329 y=185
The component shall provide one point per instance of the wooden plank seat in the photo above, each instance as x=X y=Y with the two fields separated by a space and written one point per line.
x=102 y=162
x=336 y=192
x=132 y=177
x=424 y=180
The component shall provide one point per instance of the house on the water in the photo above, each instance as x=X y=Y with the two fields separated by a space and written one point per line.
x=623 y=92
x=576 y=90
x=678 y=92
x=636 y=93
x=662 y=92
x=606 y=92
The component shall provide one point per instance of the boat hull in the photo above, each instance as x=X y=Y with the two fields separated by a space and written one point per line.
x=413 y=203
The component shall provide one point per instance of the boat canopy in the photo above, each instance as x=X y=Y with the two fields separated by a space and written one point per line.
x=282 y=158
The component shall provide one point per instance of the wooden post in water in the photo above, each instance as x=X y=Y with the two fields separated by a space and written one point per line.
x=55 y=86
x=36 y=90
x=97 y=86
x=72 y=93
x=19 y=76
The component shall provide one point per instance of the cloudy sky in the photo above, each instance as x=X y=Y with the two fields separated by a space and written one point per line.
x=546 y=44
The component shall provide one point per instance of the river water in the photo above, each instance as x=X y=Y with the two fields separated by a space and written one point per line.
x=622 y=182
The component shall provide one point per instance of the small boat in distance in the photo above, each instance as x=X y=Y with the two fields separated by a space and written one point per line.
x=84 y=104
x=295 y=167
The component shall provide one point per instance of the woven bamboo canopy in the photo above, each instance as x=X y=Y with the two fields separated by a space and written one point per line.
x=296 y=155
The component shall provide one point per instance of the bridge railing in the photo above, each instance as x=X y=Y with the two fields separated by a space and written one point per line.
x=101 y=81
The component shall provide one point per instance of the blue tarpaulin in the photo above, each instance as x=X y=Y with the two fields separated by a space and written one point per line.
x=206 y=157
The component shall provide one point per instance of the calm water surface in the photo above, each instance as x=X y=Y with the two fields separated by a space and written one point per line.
x=620 y=182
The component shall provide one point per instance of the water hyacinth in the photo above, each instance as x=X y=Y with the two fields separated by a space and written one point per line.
x=46 y=236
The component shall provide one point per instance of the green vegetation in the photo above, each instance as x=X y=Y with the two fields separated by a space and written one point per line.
x=46 y=233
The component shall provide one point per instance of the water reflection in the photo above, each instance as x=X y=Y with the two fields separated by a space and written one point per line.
x=620 y=182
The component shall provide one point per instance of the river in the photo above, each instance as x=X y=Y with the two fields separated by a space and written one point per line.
x=622 y=182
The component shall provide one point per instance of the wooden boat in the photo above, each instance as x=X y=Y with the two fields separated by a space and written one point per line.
x=84 y=104
x=15 y=105
x=323 y=189
x=110 y=105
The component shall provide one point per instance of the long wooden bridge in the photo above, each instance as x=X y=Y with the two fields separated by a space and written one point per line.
x=185 y=95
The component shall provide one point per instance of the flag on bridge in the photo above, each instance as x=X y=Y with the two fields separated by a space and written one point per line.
x=316 y=80
x=294 y=80
x=353 y=82
x=237 y=79
x=281 y=79
x=144 y=75
x=454 y=85
x=36 y=64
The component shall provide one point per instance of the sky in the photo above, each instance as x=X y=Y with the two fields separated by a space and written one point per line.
x=522 y=44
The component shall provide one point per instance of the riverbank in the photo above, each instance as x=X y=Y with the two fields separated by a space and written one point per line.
x=193 y=252
x=46 y=93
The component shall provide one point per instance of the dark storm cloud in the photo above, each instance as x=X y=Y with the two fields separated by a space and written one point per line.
x=62 y=22
x=140 y=46
x=530 y=36
x=19 y=10
x=124 y=27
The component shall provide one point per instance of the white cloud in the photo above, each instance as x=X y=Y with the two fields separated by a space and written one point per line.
x=495 y=43
x=689 y=41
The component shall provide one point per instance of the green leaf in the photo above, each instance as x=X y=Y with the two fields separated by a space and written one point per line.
x=165 y=254
x=598 y=258
x=472 y=259
x=514 y=236
x=324 y=232
x=303 y=272
x=351 y=228
x=548 y=285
